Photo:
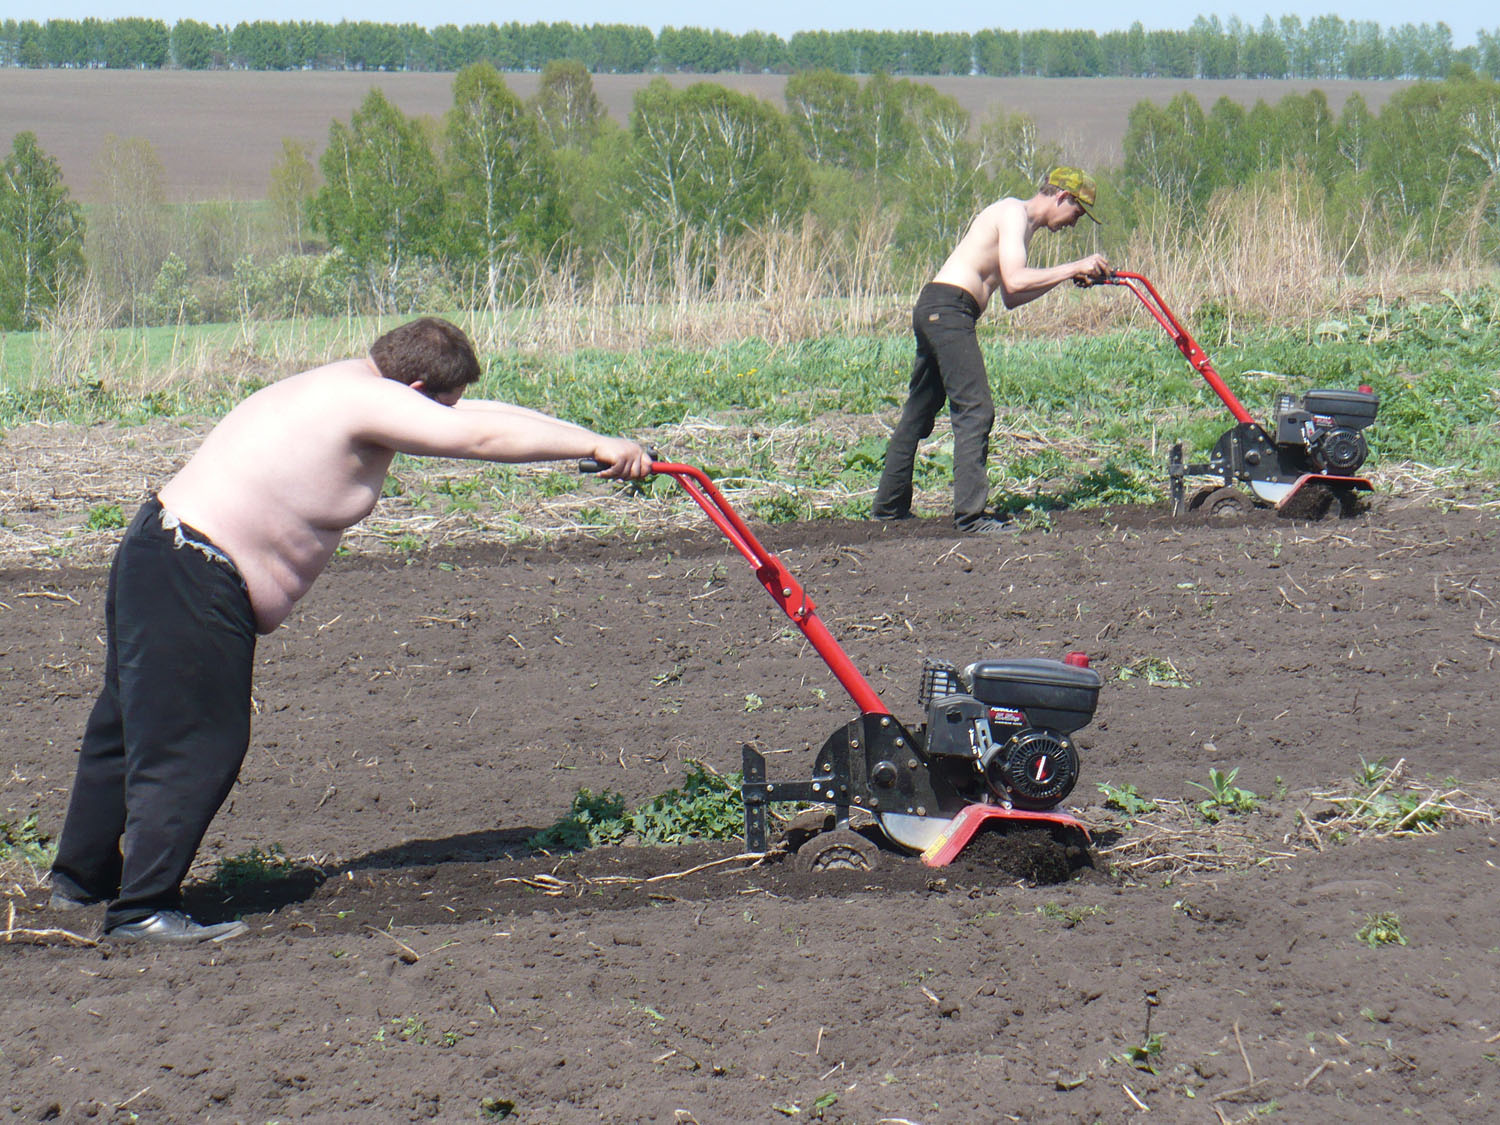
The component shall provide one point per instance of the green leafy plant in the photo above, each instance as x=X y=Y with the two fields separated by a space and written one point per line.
x=706 y=807
x=408 y=543
x=593 y=819
x=1126 y=798
x=26 y=843
x=1381 y=929
x=1144 y=1056
x=1224 y=796
x=105 y=517
x=258 y=865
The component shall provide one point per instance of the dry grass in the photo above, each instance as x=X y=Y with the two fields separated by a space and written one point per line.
x=1174 y=840
x=776 y=284
x=1262 y=252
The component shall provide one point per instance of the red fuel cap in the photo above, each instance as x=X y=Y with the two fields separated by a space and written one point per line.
x=1077 y=659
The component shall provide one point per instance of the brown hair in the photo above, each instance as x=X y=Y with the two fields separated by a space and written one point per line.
x=1052 y=189
x=430 y=350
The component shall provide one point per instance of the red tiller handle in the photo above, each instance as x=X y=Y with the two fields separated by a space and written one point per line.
x=784 y=589
x=1195 y=355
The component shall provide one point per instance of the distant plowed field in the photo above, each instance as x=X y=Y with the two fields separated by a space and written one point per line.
x=218 y=133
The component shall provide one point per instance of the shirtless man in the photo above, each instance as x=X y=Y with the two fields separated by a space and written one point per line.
x=221 y=554
x=949 y=365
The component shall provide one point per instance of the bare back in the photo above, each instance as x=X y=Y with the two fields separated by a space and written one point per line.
x=287 y=471
x=975 y=262
x=281 y=477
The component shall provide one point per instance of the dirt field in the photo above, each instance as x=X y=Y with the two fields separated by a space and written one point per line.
x=218 y=134
x=417 y=722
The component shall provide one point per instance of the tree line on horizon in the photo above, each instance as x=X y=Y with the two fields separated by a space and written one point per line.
x=400 y=214
x=1325 y=46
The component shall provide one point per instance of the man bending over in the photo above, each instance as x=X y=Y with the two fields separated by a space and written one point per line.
x=221 y=554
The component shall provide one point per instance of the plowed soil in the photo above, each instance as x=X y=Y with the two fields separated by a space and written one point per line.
x=417 y=722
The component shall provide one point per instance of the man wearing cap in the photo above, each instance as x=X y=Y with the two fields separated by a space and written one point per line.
x=949 y=365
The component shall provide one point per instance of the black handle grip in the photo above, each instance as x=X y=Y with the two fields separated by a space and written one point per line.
x=1088 y=281
x=587 y=465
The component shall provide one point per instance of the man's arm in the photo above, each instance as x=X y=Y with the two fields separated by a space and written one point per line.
x=1020 y=283
x=511 y=409
x=395 y=416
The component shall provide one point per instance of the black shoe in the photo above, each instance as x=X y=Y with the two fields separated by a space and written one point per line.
x=989 y=525
x=878 y=518
x=173 y=927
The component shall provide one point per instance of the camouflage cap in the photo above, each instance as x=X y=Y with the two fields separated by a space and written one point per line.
x=1080 y=185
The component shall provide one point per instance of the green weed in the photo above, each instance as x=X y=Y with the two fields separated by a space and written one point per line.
x=1381 y=929
x=1383 y=803
x=258 y=865
x=104 y=517
x=592 y=820
x=1126 y=798
x=1144 y=1056
x=408 y=544
x=26 y=843
x=1155 y=670
x=707 y=807
x=1224 y=796
x=1069 y=916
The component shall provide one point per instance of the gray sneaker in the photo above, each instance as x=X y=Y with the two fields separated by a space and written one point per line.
x=62 y=900
x=173 y=927
x=989 y=525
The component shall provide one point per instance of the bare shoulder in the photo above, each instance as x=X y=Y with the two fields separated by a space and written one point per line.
x=1009 y=213
x=998 y=219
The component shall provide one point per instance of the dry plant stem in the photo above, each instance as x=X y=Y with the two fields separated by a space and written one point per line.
x=1240 y=1043
x=12 y=931
x=407 y=951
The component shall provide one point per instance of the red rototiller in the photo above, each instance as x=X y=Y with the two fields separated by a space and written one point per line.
x=994 y=748
x=1303 y=464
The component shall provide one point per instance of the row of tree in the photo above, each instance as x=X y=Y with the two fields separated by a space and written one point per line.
x=400 y=212
x=1324 y=47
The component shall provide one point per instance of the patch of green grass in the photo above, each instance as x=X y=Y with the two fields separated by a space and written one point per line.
x=258 y=865
x=104 y=517
x=796 y=421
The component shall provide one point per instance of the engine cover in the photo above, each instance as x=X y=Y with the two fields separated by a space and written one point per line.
x=1036 y=769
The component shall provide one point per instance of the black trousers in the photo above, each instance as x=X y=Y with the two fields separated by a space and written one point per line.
x=949 y=367
x=169 y=731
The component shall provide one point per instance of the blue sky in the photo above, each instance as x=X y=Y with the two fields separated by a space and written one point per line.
x=780 y=16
